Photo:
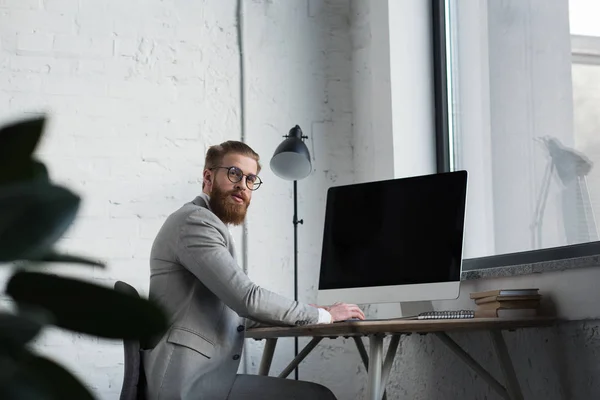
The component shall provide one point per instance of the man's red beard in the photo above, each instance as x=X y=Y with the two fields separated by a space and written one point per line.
x=224 y=207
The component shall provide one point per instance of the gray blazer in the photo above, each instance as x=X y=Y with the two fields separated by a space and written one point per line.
x=194 y=276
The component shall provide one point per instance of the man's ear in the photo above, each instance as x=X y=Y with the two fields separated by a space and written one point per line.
x=207 y=179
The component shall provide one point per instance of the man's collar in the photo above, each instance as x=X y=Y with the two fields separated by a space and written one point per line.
x=202 y=198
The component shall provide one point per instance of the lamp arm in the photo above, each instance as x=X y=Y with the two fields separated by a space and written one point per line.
x=536 y=225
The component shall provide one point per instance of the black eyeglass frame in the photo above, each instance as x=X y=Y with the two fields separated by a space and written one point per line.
x=256 y=184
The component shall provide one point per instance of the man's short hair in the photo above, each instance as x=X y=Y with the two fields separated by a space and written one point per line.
x=215 y=154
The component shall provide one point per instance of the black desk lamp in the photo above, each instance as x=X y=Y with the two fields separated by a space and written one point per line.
x=291 y=161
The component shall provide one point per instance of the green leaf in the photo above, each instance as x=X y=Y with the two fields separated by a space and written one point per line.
x=88 y=308
x=18 y=142
x=19 y=139
x=40 y=378
x=67 y=258
x=23 y=171
x=17 y=330
x=33 y=217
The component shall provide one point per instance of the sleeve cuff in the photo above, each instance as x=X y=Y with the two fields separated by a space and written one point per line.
x=324 y=316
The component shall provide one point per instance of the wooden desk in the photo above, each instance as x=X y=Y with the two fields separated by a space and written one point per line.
x=379 y=368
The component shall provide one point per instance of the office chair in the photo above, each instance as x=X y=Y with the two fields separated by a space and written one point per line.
x=134 y=380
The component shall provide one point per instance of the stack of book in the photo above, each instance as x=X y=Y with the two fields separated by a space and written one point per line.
x=507 y=303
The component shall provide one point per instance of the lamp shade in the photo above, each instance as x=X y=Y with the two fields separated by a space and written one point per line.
x=291 y=160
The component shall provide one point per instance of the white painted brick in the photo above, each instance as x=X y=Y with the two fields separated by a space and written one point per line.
x=68 y=6
x=134 y=271
x=145 y=127
x=156 y=148
x=21 y=82
x=101 y=228
x=72 y=86
x=94 y=24
x=141 y=248
x=4 y=59
x=143 y=90
x=83 y=47
x=144 y=171
x=33 y=21
x=120 y=68
x=127 y=47
x=54 y=337
x=23 y=105
x=100 y=147
x=93 y=206
x=38 y=102
x=8 y=39
x=187 y=110
x=103 y=249
x=106 y=107
x=156 y=208
x=184 y=129
x=77 y=173
x=94 y=6
x=103 y=355
x=105 y=377
x=85 y=126
x=149 y=227
x=127 y=8
x=21 y=4
x=152 y=28
x=4 y=103
x=191 y=91
x=91 y=67
x=41 y=65
x=34 y=43
x=125 y=27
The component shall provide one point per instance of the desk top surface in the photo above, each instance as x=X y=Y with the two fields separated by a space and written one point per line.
x=361 y=328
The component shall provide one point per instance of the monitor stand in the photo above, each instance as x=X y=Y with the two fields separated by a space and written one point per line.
x=404 y=309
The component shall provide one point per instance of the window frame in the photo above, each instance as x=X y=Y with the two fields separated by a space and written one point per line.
x=440 y=55
x=585 y=50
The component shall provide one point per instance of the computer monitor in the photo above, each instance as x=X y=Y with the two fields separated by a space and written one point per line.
x=394 y=241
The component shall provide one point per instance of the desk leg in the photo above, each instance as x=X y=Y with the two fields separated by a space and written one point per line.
x=387 y=364
x=301 y=356
x=512 y=383
x=375 y=366
x=362 y=351
x=389 y=361
x=265 y=362
x=471 y=362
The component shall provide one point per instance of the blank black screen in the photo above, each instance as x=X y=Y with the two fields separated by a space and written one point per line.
x=394 y=232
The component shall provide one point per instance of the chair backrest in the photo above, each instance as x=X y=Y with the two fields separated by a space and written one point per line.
x=134 y=380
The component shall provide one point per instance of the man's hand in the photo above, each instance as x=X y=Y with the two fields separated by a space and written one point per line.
x=343 y=311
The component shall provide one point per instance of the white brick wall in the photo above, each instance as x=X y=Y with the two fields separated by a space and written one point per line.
x=134 y=104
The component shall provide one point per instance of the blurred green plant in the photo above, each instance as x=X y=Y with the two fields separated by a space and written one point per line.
x=34 y=214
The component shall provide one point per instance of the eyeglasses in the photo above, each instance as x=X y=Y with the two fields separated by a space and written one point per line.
x=235 y=175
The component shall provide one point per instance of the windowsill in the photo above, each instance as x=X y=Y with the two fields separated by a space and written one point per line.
x=530 y=268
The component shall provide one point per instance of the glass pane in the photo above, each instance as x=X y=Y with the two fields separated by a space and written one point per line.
x=585 y=69
x=526 y=104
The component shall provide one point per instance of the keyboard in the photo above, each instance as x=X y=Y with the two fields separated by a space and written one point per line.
x=453 y=314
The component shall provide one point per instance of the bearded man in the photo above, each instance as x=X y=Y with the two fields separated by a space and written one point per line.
x=209 y=299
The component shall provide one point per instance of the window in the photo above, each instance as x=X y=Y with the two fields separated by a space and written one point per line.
x=523 y=118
